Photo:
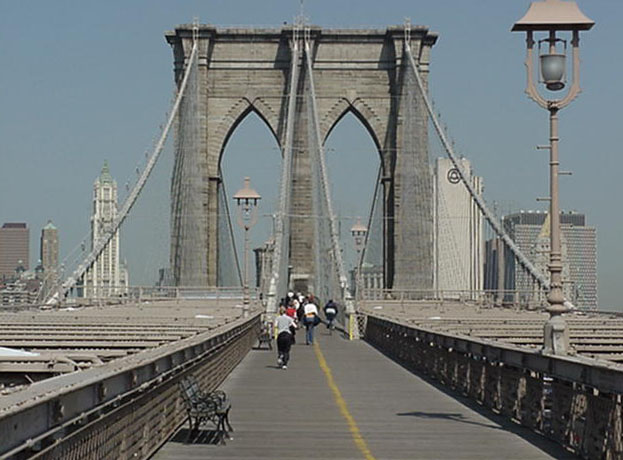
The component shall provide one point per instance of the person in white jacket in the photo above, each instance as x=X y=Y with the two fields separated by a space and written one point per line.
x=310 y=320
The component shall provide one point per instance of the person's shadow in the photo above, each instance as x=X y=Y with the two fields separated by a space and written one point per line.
x=498 y=422
x=449 y=416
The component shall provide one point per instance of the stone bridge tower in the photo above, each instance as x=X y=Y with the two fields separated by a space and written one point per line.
x=358 y=71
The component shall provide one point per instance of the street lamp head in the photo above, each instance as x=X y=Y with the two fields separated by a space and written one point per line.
x=246 y=195
x=552 y=17
x=358 y=229
x=553 y=67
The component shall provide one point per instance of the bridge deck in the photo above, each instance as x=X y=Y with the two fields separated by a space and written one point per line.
x=295 y=413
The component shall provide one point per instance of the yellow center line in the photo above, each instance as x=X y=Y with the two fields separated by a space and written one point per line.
x=339 y=400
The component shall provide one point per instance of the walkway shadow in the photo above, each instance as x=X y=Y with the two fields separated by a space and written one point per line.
x=546 y=445
x=449 y=416
x=204 y=437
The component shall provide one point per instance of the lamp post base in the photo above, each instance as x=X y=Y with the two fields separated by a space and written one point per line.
x=556 y=336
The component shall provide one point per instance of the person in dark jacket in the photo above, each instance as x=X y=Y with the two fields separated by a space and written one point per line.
x=330 y=312
x=284 y=323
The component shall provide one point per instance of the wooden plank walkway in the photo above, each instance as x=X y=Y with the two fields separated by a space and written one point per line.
x=371 y=408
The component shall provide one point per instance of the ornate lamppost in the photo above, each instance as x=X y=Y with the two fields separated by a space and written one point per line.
x=554 y=18
x=247 y=200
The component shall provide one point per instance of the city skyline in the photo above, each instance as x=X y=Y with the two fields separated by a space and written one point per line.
x=66 y=119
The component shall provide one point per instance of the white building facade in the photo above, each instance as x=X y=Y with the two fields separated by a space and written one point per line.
x=106 y=277
x=459 y=238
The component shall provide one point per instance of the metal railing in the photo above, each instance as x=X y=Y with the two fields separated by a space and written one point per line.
x=123 y=409
x=114 y=295
x=515 y=298
x=575 y=401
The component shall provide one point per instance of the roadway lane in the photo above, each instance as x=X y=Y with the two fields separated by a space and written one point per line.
x=370 y=408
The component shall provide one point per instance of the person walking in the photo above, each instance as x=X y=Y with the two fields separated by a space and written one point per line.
x=291 y=312
x=300 y=311
x=284 y=337
x=330 y=312
x=311 y=320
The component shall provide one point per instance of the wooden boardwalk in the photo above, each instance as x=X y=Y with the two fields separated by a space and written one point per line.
x=345 y=400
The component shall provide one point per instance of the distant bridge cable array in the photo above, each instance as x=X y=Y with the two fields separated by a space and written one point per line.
x=279 y=277
x=331 y=279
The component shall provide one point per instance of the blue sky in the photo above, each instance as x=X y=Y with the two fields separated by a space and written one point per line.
x=84 y=81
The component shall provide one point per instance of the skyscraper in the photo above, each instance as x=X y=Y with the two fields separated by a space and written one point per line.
x=459 y=243
x=14 y=248
x=49 y=257
x=49 y=248
x=103 y=278
x=530 y=230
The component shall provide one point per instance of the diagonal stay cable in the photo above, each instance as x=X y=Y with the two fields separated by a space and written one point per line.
x=489 y=216
x=132 y=197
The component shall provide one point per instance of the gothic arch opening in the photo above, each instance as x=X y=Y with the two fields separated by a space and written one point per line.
x=353 y=161
x=251 y=149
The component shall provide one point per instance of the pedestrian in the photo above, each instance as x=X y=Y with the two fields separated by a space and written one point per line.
x=300 y=311
x=291 y=312
x=311 y=320
x=284 y=337
x=330 y=312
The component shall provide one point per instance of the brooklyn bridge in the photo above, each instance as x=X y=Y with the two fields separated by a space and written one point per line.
x=434 y=353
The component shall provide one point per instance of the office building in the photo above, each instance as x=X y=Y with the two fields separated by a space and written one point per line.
x=459 y=241
x=14 y=249
x=49 y=250
x=530 y=231
x=105 y=278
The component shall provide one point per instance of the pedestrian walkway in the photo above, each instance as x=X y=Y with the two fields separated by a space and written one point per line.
x=345 y=400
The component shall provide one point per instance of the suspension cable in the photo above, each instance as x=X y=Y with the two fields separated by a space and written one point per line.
x=280 y=254
x=337 y=253
x=101 y=244
x=489 y=216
